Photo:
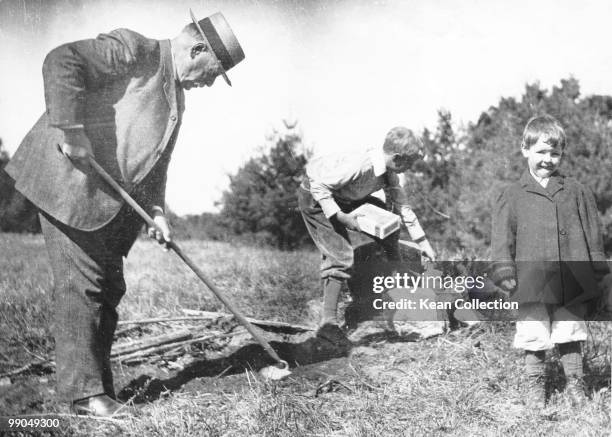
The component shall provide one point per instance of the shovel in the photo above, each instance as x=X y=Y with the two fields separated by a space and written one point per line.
x=281 y=369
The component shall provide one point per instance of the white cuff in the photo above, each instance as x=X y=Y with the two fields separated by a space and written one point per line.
x=329 y=207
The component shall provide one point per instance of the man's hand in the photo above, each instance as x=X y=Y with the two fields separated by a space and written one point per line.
x=508 y=285
x=163 y=234
x=427 y=250
x=349 y=220
x=77 y=147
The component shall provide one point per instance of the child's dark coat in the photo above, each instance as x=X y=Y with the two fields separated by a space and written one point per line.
x=549 y=239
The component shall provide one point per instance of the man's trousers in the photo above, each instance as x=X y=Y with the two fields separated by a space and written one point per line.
x=88 y=285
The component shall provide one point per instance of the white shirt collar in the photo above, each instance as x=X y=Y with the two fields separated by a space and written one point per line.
x=377 y=157
x=542 y=181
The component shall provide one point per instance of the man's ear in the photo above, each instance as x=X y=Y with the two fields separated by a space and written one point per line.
x=198 y=48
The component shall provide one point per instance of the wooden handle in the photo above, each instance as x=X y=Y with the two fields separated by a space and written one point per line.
x=124 y=194
x=142 y=213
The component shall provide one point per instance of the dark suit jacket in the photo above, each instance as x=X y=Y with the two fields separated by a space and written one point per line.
x=549 y=239
x=122 y=88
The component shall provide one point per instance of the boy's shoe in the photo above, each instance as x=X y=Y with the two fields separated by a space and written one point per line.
x=535 y=395
x=332 y=333
x=575 y=390
x=101 y=405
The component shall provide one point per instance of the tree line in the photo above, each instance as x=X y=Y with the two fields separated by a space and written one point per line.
x=17 y=214
x=452 y=189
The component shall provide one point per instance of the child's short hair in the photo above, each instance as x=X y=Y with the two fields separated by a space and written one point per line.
x=543 y=125
x=403 y=141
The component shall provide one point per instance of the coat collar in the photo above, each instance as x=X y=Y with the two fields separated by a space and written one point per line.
x=555 y=184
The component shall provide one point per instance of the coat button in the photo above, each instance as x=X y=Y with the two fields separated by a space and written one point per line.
x=173 y=117
x=563 y=232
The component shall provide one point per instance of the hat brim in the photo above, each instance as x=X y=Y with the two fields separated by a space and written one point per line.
x=197 y=25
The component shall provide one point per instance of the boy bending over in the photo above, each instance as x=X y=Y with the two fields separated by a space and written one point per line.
x=334 y=186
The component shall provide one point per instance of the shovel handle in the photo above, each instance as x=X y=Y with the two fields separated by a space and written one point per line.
x=124 y=194
x=142 y=213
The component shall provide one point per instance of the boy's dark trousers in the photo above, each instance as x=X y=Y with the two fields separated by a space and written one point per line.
x=88 y=285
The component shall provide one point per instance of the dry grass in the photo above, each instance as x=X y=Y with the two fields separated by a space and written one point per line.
x=467 y=382
x=442 y=386
x=261 y=282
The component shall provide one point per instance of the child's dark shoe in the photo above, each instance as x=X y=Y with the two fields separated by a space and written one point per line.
x=332 y=333
x=575 y=391
x=535 y=395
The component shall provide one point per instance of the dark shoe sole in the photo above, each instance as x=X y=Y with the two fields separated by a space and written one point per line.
x=334 y=335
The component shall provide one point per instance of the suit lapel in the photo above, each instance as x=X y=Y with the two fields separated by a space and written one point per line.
x=180 y=98
x=168 y=73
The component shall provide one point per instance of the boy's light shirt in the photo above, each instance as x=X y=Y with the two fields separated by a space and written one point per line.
x=353 y=177
x=542 y=181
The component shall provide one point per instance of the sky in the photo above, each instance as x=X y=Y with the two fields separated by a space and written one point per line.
x=347 y=71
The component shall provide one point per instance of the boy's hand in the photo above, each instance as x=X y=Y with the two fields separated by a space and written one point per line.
x=427 y=250
x=77 y=147
x=163 y=234
x=349 y=220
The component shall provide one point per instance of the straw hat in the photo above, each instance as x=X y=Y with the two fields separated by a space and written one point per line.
x=219 y=35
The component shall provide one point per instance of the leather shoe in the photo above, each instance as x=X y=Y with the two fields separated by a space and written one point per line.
x=333 y=334
x=99 y=405
x=535 y=393
x=576 y=391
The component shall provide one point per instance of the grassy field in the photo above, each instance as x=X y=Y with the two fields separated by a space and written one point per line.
x=465 y=382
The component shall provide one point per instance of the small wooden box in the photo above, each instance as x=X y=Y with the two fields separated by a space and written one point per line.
x=376 y=221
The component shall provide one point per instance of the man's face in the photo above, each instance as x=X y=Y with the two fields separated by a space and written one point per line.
x=202 y=68
x=543 y=159
x=401 y=162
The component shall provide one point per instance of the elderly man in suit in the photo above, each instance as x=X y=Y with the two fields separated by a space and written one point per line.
x=117 y=98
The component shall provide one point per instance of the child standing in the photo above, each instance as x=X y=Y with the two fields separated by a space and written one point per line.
x=547 y=251
x=333 y=187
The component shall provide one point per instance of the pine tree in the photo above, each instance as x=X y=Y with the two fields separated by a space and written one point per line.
x=17 y=214
x=261 y=201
